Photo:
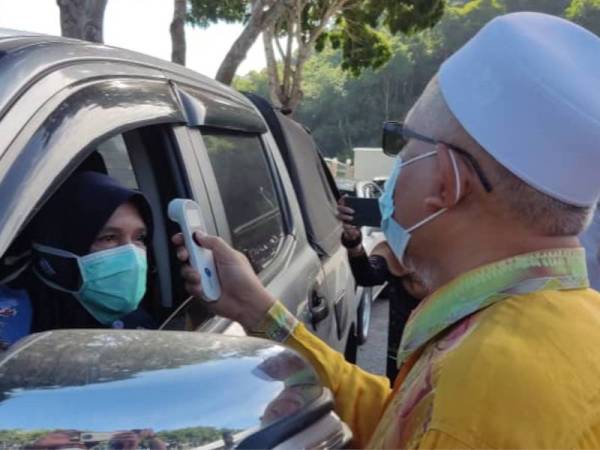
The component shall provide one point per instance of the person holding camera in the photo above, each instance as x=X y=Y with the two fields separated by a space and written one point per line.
x=404 y=290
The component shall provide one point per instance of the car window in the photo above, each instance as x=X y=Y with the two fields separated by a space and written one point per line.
x=129 y=136
x=247 y=187
x=116 y=159
x=138 y=159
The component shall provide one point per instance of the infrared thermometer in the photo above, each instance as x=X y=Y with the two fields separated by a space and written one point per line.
x=187 y=214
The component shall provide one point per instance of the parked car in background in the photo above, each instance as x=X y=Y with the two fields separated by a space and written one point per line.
x=66 y=105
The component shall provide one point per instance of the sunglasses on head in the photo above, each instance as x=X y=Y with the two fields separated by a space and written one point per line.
x=396 y=135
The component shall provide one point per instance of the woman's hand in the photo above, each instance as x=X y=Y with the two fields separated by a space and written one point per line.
x=243 y=297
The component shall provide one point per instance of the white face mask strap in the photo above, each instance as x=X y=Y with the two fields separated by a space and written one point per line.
x=52 y=284
x=14 y=275
x=418 y=158
x=457 y=187
x=456 y=175
x=65 y=254
x=427 y=220
x=54 y=251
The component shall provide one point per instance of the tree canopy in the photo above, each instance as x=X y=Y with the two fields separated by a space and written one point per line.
x=585 y=13
x=203 y=13
x=257 y=15
x=353 y=26
x=346 y=111
x=360 y=29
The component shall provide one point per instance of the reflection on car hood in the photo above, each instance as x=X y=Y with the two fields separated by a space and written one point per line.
x=91 y=386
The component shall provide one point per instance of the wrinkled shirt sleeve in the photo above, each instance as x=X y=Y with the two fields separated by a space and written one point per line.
x=369 y=270
x=360 y=396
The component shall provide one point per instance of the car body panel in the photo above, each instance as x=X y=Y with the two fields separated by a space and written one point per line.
x=51 y=86
x=59 y=99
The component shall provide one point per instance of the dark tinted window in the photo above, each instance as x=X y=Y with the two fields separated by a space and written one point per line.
x=247 y=188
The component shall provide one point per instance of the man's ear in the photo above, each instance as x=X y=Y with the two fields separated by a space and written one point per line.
x=454 y=179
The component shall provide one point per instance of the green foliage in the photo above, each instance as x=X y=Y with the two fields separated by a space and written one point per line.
x=355 y=28
x=586 y=13
x=360 y=29
x=202 y=13
x=345 y=112
x=194 y=437
x=461 y=22
x=410 y=16
x=253 y=81
x=342 y=111
x=187 y=437
x=367 y=48
x=556 y=7
x=18 y=438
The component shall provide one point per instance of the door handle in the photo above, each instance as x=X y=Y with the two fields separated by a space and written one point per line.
x=319 y=309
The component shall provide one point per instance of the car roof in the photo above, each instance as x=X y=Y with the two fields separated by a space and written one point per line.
x=43 y=53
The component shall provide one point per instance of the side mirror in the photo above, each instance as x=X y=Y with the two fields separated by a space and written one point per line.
x=150 y=389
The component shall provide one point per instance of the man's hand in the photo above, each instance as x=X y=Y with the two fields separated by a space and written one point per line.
x=346 y=215
x=351 y=233
x=243 y=297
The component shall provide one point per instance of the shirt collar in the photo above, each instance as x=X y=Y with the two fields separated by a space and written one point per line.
x=479 y=288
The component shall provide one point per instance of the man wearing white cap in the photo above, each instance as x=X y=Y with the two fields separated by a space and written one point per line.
x=497 y=172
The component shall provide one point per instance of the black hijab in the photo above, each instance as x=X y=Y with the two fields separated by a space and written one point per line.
x=74 y=216
x=70 y=221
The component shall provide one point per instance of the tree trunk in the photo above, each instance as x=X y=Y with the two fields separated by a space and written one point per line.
x=289 y=91
x=287 y=63
x=272 y=71
x=295 y=95
x=259 y=20
x=82 y=19
x=178 y=32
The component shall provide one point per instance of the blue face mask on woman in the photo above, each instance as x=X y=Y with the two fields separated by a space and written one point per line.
x=396 y=235
x=113 y=281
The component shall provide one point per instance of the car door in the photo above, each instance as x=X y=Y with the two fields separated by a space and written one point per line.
x=132 y=120
x=332 y=305
x=256 y=210
x=259 y=224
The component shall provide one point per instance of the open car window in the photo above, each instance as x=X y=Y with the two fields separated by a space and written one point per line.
x=143 y=159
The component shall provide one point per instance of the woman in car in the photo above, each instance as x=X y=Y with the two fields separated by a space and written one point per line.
x=89 y=267
x=404 y=289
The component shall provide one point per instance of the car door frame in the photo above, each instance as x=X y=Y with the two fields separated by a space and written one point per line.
x=43 y=153
x=295 y=255
x=140 y=101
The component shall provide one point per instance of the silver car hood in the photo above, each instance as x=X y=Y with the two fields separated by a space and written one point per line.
x=189 y=389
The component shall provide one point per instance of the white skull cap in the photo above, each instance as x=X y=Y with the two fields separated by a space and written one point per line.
x=526 y=87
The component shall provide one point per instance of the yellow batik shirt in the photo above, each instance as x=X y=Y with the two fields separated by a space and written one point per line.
x=505 y=356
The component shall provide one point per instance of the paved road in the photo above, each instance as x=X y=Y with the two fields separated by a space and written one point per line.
x=371 y=356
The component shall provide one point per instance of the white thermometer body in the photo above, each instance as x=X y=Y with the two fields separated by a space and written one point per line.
x=187 y=214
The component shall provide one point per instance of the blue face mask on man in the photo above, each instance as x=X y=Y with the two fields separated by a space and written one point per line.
x=396 y=235
x=113 y=281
